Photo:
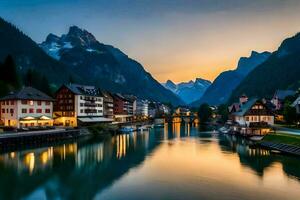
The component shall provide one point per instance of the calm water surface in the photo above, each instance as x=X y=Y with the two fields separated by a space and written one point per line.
x=175 y=162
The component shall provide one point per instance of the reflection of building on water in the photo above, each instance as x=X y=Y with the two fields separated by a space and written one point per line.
x=122 y=144
x=91 y=154
x=181 y=129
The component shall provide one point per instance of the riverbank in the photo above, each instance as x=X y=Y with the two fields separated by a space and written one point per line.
x=285 y=143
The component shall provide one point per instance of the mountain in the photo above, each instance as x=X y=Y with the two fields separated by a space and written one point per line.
x=188 y=91
x=27 y=54
x=104 y=65
x=280 y=71
x=220 y=90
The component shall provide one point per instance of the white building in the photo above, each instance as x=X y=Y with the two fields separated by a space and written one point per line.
x=27 y=107
x=253 y=117
x=140 y=108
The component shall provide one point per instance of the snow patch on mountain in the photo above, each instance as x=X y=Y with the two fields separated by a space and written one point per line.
x=188 y=91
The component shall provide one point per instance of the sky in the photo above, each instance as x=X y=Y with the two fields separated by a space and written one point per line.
x=178 y=40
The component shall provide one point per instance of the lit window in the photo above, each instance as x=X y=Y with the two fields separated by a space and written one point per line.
x=31 y=102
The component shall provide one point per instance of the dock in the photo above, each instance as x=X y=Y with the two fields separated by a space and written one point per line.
x=289 y=149
x=8 y=140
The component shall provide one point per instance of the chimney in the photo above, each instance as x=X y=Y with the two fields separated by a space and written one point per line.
x=243 y=99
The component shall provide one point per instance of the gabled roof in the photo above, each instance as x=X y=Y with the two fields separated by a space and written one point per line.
x=234 y=107
x=84 y=90
x=28 y=93
x=245 y=107
x=296 y=102
x=282 y=94
x=106 y=94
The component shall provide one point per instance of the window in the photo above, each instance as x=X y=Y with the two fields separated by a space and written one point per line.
x=11 y=111
x=47 y=103
x=12 y=103
x=81 y=97
x=81 y=104
x=3 y=110
x=81 y=111
x=38 y=110
x=3 y=103
x=39 y=103
x=247 y=118
x=24 y=102
x=31 y=102
x=31 y=110
x=47 y=111
x=24 y=110
x=7 y=102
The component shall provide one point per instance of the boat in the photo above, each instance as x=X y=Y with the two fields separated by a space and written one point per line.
x=159 y=125
x=127 y=129
x=142 y=128
x=224 y=130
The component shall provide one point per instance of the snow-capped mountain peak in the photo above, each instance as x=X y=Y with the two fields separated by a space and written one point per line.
x=188 y=91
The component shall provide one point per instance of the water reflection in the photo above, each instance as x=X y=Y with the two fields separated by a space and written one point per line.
x=83 y=169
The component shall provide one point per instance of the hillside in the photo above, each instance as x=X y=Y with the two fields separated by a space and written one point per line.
x=79 y=57
x=104 y=65
x=27 y=54
x=280 y=71
x=220 y=90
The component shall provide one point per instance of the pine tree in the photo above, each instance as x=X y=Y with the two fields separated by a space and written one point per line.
x=45 y=86
x=9 y=73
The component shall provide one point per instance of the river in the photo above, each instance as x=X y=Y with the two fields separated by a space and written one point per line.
x=174 y=162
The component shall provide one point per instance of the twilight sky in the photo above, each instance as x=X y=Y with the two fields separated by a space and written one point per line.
x=174 y=39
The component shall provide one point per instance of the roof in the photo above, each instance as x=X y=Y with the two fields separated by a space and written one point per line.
x=282 y=94
x=296 y=102
x=84 y=90
x=28 y=93
x=235 y=106
x=106 y=94
x=245 y=107
x=130 y=97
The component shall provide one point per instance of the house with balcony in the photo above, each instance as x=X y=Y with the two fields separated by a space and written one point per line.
x=108 y=104
x=78 y=105
x=27 y=107
x=123 y=108
x=253 y=118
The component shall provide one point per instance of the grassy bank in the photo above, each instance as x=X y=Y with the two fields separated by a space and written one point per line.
x=283 y=138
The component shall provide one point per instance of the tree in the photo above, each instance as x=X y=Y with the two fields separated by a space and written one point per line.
x=45 y=86
x=223 y=112
x=289 y=113
x=8 y=73
x=204 y=113
x=34 y=79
